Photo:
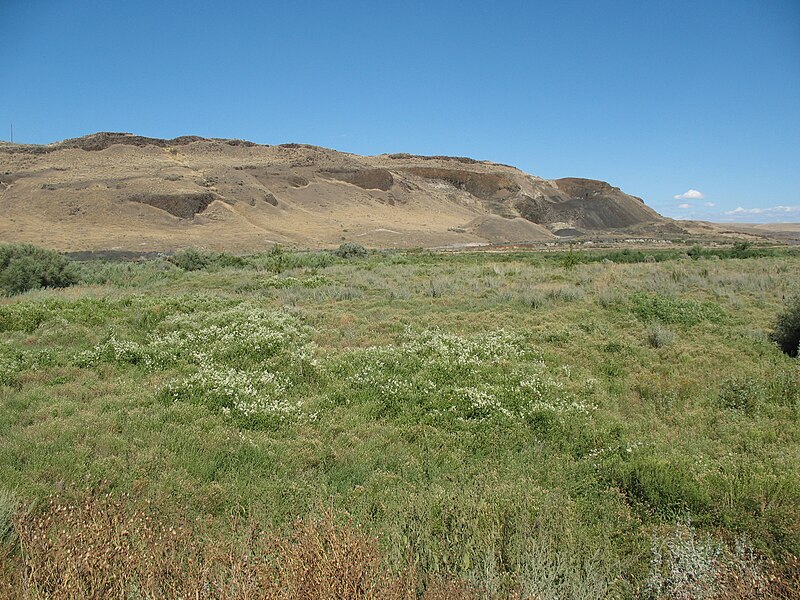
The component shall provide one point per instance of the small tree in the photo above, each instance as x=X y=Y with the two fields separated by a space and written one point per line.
x=571 y=258
x=787 y=327
x=277 y=259
x=25 y=267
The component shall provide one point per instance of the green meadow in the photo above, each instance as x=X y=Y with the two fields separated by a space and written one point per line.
x=575 y=425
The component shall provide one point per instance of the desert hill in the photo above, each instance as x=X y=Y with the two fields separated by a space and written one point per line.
x=121 y=191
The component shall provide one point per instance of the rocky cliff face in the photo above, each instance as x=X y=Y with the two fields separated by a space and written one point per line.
x=113 y=190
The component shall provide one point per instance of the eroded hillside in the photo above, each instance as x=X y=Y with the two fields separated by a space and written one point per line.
x=120 y=191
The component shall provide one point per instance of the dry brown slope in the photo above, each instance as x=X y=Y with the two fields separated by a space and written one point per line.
x=123 y=191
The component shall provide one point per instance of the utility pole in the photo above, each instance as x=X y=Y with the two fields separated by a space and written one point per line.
x=12 y=133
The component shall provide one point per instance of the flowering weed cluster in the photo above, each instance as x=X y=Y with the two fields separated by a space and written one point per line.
x=242 y=361
x=435 y=374
x=9 y=366
x=242 y=332
x=13 y=362
x=252 y=399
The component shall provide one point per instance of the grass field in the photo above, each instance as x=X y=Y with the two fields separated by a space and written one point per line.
x=478 y=425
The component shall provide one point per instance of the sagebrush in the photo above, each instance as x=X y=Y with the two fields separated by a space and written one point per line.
x=25 y=267
x=786 y=332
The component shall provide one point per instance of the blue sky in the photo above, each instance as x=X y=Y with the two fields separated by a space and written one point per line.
x=694 y=106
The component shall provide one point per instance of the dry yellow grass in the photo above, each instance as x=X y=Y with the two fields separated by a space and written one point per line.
x=104 y=547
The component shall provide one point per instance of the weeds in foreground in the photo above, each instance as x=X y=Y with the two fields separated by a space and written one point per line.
x=103 y=547
x=688 y=566
x=8 y=507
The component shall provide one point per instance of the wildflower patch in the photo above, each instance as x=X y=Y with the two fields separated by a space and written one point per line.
x=242 y=361
x=252 y=399
x=14 y=362
x=442 y=376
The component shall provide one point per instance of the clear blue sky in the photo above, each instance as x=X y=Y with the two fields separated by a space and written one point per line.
x=659 y=98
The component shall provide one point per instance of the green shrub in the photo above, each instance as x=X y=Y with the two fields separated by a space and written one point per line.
x=127 y=274
x=786 y=332
x=534 y=299
x=350 y=250
x=192 y=259
x=571 y=259
x=667 y=309
x=696 y=252
x=658 y=484
x=25 y=267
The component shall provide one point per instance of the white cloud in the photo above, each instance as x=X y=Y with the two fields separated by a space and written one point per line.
x=690 y=195
x=710 y=204
x=684 y=205
x=739 y=210
x=772 y=210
